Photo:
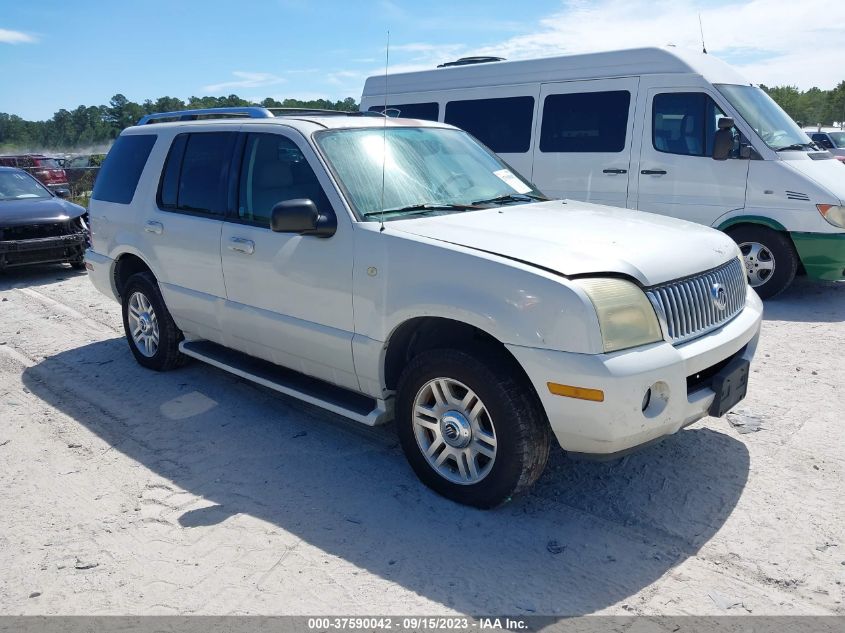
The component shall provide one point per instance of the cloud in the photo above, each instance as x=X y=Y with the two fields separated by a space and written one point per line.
x=16 y=37
x=246 y=80
x=775 y=42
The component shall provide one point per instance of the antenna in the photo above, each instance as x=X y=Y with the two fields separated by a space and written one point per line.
x=701 y=28
x=384 y=129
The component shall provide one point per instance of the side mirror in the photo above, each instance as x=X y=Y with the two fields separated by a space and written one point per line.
x=301 y=216
x=62 y=193
x=723 y=142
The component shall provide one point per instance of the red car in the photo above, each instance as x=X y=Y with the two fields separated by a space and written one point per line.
x=44 y=168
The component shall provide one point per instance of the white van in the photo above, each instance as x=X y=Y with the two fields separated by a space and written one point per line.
x=638 y=129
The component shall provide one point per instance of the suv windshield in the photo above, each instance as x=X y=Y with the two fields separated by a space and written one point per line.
x=772 y=124
x=402 y=171
x=15 y=185
x=838 y=139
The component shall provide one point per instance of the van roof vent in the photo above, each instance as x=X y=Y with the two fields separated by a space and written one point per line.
x=466 y=61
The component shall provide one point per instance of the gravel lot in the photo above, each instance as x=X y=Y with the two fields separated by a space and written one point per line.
x=193 y=492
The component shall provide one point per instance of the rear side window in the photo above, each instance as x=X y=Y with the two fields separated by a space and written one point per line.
x=585 y=122
x=122 y=168
x=425 y=111
x=503 y=125
x=196 y=174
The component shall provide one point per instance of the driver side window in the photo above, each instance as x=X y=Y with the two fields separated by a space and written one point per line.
x=685 y=123
x=273 y=170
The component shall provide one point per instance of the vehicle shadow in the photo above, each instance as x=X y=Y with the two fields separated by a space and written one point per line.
x=36 y=275
x=588 y=536
x=808 y=301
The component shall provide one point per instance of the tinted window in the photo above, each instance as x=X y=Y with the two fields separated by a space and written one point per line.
x=503 y=125
x=203 y=180
x=585 y=122
x=685 y=123
x=273 y=170
x=424 y=111
x=122 y=168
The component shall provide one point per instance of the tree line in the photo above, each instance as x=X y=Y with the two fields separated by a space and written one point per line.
x=98 y=126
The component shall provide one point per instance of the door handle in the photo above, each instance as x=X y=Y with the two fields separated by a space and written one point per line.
x=154 y=227
x=615 y=171
x=653 y=172
x=241 y=245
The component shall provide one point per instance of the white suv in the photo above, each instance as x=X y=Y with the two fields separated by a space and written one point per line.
x=389 y=268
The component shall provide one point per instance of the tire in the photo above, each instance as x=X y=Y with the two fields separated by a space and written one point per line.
x=770 y=258
x=78 y=265
x=506 y=408
x=144 y=312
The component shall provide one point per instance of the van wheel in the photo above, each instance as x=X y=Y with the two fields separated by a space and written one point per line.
x=770 y=258
x=470 y=429
x=150 y=330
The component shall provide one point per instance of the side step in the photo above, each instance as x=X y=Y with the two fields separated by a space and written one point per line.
x=349 y=404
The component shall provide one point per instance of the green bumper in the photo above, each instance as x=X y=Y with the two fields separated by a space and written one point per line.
x=823 y=254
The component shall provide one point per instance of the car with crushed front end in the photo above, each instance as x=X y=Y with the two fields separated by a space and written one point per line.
x=37 y=226
x=398 y=269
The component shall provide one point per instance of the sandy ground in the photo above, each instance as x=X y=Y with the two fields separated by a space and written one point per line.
x=124 y=491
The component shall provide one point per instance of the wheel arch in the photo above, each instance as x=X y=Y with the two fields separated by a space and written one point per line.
x=125 y=266
x=752 y=219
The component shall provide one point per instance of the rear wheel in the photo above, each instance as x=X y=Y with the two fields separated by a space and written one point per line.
x=770 y=258
x=470 y=429
x=150 y=330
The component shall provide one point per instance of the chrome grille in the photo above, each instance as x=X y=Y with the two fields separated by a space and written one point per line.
x=688 y=308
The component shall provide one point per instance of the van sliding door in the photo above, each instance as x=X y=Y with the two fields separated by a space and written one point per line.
x=583 y=139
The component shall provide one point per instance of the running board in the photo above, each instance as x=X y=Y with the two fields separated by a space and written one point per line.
x=349 y=404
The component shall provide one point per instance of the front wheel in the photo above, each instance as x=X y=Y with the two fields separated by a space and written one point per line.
x=471 y=430
x=770 y=258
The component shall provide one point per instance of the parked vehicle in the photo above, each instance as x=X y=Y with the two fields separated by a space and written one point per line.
x=47 y=170
x=833 y=140
x=641 y=129
x=36 y=225
x=387 y=268
x=81 y=171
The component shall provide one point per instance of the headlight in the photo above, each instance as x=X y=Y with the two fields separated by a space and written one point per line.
x=626 y=317
x=833 y=214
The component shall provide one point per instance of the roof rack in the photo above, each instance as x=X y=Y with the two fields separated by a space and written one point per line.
x=466 y=61
x=250 y=112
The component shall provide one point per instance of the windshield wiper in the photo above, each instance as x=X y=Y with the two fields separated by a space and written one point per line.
x=421 y=207
x=796 y=146
x=512 y=197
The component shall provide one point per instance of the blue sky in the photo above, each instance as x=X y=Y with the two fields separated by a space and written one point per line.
x=58 y=54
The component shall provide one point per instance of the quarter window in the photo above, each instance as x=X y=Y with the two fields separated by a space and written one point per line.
x=503 y=125
x=585 y=122
x=685 y=123
x=425 y=111
x=273 y=170
x=196 y=174
x=122 y=168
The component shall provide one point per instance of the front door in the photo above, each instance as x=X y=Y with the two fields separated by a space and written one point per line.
x=677 y=174
x=289 y=296
x=584 y=138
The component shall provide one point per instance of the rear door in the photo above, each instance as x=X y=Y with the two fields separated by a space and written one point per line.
x=584 y=139
x=677 y=174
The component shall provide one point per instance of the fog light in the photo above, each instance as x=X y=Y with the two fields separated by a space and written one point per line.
x=655 y=399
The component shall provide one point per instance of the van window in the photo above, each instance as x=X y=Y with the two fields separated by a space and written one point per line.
x=504 y=124
x=684 y=123
x=196 y=174
x=122 y=168
x=273 y=170
x=585 y=122
x=425 y=111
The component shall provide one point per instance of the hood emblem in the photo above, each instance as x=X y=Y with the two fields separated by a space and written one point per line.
x=719 y=296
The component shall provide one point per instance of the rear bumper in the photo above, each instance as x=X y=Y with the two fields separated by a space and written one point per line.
x=823 y=254
x=678 y=376
x=42 y=250
x=100 y=273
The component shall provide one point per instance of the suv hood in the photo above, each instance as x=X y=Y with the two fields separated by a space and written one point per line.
x=577 y=238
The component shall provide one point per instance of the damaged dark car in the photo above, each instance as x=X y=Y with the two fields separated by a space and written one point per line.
x=36 y=225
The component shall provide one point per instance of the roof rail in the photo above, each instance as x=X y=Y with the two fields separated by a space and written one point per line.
x=251 y=112
x=319 y=112
x=466 y=61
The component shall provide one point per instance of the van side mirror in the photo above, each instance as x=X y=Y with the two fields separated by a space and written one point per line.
x=300 y=215
x=723 y=142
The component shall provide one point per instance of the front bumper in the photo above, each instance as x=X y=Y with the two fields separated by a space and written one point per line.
x=823 y=254
x=680 y=373
x=43 y=250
